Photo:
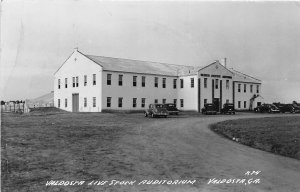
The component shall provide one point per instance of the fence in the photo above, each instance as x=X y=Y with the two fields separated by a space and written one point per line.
x=22 y=107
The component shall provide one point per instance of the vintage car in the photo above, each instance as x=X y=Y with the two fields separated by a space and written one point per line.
x=228 y=108
x=285 y=107
x=267 y=108
x=156 y=110
x=171 y=108
x=209 y=108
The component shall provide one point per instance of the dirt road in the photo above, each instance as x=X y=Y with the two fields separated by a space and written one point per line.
x=184 y=148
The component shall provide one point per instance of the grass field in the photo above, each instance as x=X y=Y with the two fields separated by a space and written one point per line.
x=279 y=135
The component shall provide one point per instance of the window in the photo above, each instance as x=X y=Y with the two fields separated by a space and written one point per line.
x=94 y=101
x=155 y=81
x=227 y=100
x=58 y=103
x=66 y=102
x=120 y=80
x=245 y=103
x=94 y=79
x=108 y=102
x=155 y=101
x=181 y=83
x=257 y=88
x=205 y=82
x=66 y=82
x=73 y=82
x=77 y=81
x=143 y=103
x=251 y=88
x=175 y=101
x=239 y=104
x=85 y=102
x=164 y=83
x=239 y=87
x=205 y=101
x=58 y=83
x=120 y=102
x=217 y=83
x=227 y=84
x=164 y=101
x=174 y=83
x=134 y=81
x=143 y=81
x=245 y=87
x=134 y=102
x=108 y=80
x=192 y=82
x=181 y=102
x=85 y=80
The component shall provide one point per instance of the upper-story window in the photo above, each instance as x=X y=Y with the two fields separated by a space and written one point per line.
x=94 y=79
x=192 y=82
x=181 y=83
x=164 y=83
x=239 y=87
x=77 y=81
x=245 y=88
x=73 y=81
x=227 y=84
x=108 y=81
x=257 y=88
x=66 y=82
x=85 y=80
x=58 y=83
x=174 y=83
x=205 y=82
x=217 y=84
x=155 y=81
x=251 y=88
x=134 y=81
x=143 y=81
x=120 y=80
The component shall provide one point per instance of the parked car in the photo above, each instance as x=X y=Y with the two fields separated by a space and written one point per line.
x=156 y=110
x=285 y=107
x=228 y=108
x=209 y=108
x=171 y=108
x=267 y=108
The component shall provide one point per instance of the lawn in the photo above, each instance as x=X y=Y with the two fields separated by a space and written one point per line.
x=279 y=135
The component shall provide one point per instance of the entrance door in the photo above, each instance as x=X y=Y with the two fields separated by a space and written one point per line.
x=216 y=101
x=75 y=102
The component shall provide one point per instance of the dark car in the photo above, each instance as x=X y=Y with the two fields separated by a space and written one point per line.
x=267 y=108
x=228 y=108
x=209 y=108
x=156 y=110
x=285 y=107
x=171 y=108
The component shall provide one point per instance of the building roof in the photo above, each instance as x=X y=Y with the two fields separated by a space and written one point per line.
x=244 y=76
x=135 y=66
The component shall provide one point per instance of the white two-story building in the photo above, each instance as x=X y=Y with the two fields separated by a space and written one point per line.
x=86 y=83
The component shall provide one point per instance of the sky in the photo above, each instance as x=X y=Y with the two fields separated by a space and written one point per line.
x=261 y=39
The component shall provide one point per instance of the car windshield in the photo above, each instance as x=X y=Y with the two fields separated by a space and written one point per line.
x=159 y=106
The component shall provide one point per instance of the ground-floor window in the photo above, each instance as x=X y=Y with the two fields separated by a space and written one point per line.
x=227 y=100
x=108 y=102
x=164 y=101
x=58 y=103
x=245 y=104
x=175 y=101
x=205 y=101
x=143 y=102
x=239 y=104
x=134 y=102
x=155 y=101
x=120 y=102
x=94 y=101
x=85 y=102
x=66 y=102
x=181 y=102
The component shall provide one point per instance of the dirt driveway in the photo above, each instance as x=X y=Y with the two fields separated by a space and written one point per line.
x=184 y=148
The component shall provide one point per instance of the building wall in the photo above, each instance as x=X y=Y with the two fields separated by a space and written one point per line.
x=78 y=66
x=188 y=94
x=243 y=96
x=127 y=91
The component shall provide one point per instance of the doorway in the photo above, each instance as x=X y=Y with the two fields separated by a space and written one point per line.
x=75 y=102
